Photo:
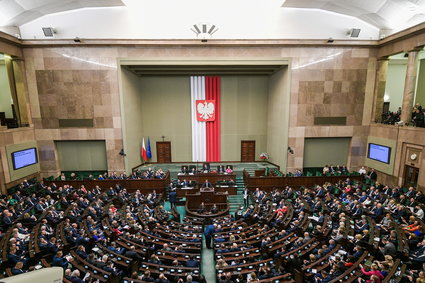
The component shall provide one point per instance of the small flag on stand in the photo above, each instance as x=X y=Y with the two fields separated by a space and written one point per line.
x=144 y=154
x=148 y=150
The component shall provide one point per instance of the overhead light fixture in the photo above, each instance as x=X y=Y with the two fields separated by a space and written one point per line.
x=77 y=39
x=49 y=31
x=204 y=31
x=330 y=40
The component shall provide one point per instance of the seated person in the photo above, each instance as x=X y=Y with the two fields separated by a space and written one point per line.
x=205 y=168
x=185 y=183
x=17 y=269
x=192 y=263
x=221 y=169
x=59 y=260
x=201 y=208
x=184 y=170
x=214 y=209
x=229 y=169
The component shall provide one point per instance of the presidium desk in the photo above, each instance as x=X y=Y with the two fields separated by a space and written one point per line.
x=213 y=177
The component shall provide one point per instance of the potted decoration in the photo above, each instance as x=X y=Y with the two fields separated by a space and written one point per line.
x=264 y=156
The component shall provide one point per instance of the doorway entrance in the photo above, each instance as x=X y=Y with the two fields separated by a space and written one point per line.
x=163 y=151
x=247 y=151
x=411 y=175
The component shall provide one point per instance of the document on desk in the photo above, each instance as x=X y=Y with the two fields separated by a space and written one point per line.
x=315 y=218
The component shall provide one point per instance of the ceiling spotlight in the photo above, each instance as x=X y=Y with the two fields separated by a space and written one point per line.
x=330 y=40
x=204 y=31
x=49 y=31
x=77 y=39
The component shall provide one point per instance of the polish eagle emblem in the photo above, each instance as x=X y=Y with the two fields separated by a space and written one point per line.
x=205 y=110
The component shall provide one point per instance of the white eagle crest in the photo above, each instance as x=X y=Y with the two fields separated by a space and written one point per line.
x=206 y=110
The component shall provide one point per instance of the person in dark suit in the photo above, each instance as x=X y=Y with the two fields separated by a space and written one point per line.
x=58 y=260
x=172 y=197
x=192 y=263
x=162 y=279
x=372 y=176
x=7 y=218
x=13 y=258
x=184 y=183
x=214 y=209
x=201 y=208
x=221 y=169
x=208 y=233
x=184 y=170
x=205 y=168
x=133 y=254
x=17 y=269
x=207 y=184
x=81 y=251
x=75 y=277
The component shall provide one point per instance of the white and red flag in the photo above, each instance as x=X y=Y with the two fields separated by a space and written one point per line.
x=144 y=153
x=205 y=102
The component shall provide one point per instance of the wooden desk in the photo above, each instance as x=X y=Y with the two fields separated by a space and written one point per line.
x=268 y=183
x=144 y=185
x=182 y=192
x=231 y=190
x=193 y=202
x=211 y=177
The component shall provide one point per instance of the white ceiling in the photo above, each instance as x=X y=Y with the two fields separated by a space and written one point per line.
x=18 y=12
x=383 y=14
x=173 y=18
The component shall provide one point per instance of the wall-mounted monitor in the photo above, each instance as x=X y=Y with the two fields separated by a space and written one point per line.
x=24 y=158
x=379 y=153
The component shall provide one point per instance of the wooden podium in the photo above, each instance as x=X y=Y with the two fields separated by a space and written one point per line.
x=209 y=197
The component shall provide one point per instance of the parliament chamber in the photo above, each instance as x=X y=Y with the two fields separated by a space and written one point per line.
x=198 y=141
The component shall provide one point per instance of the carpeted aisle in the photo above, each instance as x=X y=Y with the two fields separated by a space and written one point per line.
x=208 y=263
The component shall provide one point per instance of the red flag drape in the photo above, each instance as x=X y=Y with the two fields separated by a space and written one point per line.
x=212 y=92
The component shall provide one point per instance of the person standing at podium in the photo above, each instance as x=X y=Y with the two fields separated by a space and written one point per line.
x=207 y=184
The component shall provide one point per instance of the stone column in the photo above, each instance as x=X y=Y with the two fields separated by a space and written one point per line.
x=409 y=86
x=380 y=81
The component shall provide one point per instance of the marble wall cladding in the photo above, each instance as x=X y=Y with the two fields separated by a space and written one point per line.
x=328 y=82
x=407 y=139
x=74 y=94
x=82 y=83
x=74 y=83
x=332 y=92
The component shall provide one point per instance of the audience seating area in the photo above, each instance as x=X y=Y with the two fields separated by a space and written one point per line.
x=340 y=231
